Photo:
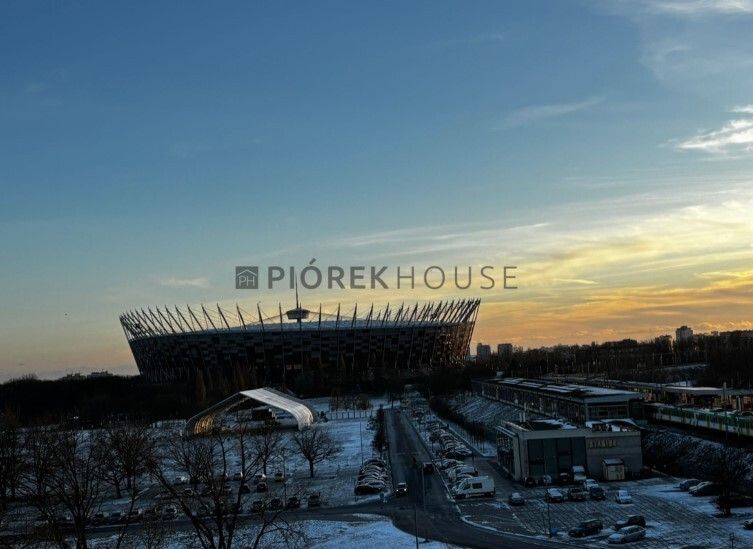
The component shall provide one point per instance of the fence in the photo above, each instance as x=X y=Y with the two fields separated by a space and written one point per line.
x=350 y=414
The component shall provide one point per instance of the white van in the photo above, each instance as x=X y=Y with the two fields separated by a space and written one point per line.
x=474 y=487
x=578 y=474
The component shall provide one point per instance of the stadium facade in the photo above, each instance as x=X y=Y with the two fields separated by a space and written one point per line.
x=236 y=350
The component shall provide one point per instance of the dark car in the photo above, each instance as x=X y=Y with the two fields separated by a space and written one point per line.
x=401 y=490
x=244 y=489
x=734 y=500
x=576 y=494
x=275 y=504
x=258 y=506
x=563 y=479
x=293 y=503
x=515 y=499
x=632 y=520
x=597 y=493
x=262 y=487
x=529 y=482
x=428 y=468
x=586 y=528
x=315 y=500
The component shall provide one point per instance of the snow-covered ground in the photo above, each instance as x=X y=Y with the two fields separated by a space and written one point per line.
x=364 y=531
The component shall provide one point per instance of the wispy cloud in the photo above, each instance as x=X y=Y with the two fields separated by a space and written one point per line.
x=173 y=282
x=536 y=113
x=698 y=7
x=733 y=139
x=581 y=281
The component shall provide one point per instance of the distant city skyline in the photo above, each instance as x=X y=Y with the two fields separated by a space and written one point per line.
x=605 y=148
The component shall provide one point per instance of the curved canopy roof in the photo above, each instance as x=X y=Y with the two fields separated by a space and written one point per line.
x=302 y=412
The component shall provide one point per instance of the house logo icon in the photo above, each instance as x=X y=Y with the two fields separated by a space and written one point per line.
x=247 y=278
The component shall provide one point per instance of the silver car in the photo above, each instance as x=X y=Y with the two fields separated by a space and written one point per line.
x=628 y=535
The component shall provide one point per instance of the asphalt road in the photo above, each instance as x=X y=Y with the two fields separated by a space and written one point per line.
x=441 y=520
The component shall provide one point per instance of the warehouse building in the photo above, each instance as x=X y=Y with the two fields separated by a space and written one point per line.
x=608 y=450
x=576 y=403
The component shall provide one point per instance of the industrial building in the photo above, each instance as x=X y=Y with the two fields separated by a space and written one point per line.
x=609 y=450
x=576 y=403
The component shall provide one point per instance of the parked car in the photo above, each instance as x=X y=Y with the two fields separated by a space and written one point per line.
x=563 y=479
x=588 y=483
x=597 y=493
x=315 y=500
x=586 y=528
x=428 y=468
x=97 y=519
x=260 y=477
x=577 y=473
x=238 y=475
x=705 y=489
x=244 y=489
x=546 y=480
x=115 y=517
x=275 y=504
x=529 y=482
x=293 y=503
x=169 y=513
x=627 y=535
x=262 y=487
x=401 y=490
x=687 y=484
x=577 y=494
x=553 y=495
x=258 y=506
x=516 y=499
x=279 y=476
x=623 y=496
x=632 y=520
x=734 y=500
x=373 y=487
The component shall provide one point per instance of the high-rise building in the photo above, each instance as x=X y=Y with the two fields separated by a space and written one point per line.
x=683 y=333
x=483 y=351
x=504 y=351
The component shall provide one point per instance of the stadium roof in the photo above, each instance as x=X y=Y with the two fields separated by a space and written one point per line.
x=162 y=321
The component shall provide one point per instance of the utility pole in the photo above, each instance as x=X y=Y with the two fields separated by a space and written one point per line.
x=360 y=433
x=415 y=521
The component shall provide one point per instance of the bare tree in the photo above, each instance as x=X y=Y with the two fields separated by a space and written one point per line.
x=316 y=446
x=10 y=458
x=125 y=451
x=213 y=506
x=64 y=476
x=267 y=443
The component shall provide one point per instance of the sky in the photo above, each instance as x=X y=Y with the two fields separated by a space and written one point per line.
x=603 y=147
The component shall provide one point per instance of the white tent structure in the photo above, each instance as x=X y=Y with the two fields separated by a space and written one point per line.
x=304 y=415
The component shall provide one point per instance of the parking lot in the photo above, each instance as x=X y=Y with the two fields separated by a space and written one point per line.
x=674 y=519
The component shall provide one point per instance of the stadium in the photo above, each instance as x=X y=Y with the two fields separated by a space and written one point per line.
x=224 y=351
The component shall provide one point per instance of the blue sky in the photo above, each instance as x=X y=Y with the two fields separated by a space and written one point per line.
x=605 y=147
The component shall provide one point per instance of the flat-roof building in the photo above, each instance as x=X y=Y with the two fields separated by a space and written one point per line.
x=550 y=447
x=578 y=403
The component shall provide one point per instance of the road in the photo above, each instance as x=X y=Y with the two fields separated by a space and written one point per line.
x=441 y=519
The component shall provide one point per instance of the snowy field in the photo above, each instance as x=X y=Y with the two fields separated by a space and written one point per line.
x=364 y=531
